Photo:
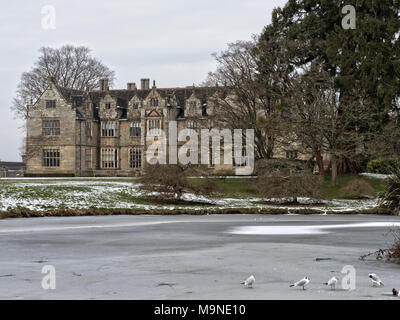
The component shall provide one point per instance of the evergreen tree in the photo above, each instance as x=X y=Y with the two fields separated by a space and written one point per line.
x=363 y=61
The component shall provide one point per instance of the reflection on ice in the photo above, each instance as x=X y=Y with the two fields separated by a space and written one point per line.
x=313 y=229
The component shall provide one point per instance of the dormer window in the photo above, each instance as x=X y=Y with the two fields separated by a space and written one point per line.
x=108 y=105
x=136 y=105
x=153 y=102
x=193 y=104
x=50 y=103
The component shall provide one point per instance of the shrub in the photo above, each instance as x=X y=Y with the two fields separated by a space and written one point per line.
x=390 y=198
x=264 y=165
x=283 y=179
x=357 y=188
x=48 y=175
x=172 y=181
x=394 y=254
x=382 y=166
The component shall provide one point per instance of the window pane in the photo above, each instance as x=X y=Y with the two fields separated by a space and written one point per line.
x=51 y=158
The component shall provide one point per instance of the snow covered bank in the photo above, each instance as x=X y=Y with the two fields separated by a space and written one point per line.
x=75 y=194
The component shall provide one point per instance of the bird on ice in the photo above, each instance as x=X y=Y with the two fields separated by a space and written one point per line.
x=376 y=281
x=395 y=292
x=301 y=283
x=332 y=283
x=249 y=281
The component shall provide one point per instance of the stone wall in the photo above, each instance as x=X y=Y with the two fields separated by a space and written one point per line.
x=65 y=142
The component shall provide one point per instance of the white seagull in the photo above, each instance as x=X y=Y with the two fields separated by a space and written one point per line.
x=302 y=283
x=376 y=281
x=249 y=281
x=332 y=283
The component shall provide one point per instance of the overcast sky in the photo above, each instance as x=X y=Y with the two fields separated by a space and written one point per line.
x=170 y=41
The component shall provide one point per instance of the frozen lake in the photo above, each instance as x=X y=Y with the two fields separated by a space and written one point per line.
x=193 y=257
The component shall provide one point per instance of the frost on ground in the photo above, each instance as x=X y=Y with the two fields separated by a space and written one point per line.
x=42 y=195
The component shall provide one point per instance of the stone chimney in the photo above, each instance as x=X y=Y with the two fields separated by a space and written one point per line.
x=145 y=84
x=131 y=86
x=104 y=84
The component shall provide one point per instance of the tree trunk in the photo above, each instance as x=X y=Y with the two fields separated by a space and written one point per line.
x=270 y=147
x=334 y=170
x=320 y=164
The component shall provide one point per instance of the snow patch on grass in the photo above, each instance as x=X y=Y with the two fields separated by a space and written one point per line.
x=375 y=175
x=47 y=194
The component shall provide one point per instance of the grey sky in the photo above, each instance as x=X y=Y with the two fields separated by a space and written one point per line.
x=170 y=41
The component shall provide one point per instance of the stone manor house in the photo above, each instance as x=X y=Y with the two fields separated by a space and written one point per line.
x=103 y=132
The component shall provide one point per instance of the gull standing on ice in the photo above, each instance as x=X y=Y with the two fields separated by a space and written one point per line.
x=332 y=283
x=376 y=281
x=302 y=283
x=249 y=281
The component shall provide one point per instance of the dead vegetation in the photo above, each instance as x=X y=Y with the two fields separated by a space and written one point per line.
x=390 y=198
x=288 y=180
x=357 y=189
x=391 y=254
x=65 y=212
x=170 y=182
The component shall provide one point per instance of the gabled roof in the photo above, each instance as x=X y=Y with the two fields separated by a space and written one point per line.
x=123 y=96
x=153 y=113
x=71 y=95
x=181 y=94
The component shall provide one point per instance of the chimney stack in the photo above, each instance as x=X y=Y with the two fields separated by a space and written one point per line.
x=104 y=84
x=145 y=83
x=131 y=86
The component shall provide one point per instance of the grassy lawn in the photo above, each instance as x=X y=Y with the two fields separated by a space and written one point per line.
x=334 y=192
x=245 y=188
x=122 y=193
x=24 y=197
x=233 y=187
x=228 y=187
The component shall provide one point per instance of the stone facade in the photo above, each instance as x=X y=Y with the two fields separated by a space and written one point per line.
x=104 y=132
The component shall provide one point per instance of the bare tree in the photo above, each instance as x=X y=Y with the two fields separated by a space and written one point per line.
x=247 y=99
x=172 y=181
x=71 y=67
x=286 y=179
x=320 y=122
x=385 y=143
